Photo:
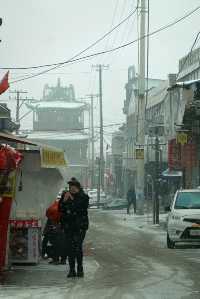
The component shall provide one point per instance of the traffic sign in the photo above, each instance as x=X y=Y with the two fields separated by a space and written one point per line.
x=139 y=154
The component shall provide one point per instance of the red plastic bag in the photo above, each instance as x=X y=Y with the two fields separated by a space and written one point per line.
x=53 y=212
x=9 y=158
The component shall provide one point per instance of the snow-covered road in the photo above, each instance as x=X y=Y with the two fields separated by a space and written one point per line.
x=126 y=258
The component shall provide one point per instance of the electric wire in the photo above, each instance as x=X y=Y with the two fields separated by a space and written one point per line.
x=117 y=32
x=108 y=51
x=127 y=30
x=78 y=54
x=112 y=23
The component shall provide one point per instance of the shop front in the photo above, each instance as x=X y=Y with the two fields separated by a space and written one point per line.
x=10 y=161
x=41 y=177
x=26 y=190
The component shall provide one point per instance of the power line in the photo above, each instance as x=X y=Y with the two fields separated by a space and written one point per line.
x=87 y=128
x=127 y=28
x=78 y=54
x=107 y=51
x=125 y=34
x=113 y=19
x=103 y=52
x=117 y=32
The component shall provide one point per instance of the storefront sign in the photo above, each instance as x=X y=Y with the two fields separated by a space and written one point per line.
x=139 y=154
x=51 y=158
x=182 y=138
x=25 y=223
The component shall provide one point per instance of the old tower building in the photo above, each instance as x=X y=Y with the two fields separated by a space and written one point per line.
x=58 y=120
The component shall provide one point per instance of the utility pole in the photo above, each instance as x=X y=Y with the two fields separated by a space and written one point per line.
x=92 y=96
x=157 y=171
x=18 y=105
x=101 y=154
x=141 y=109
x=101 y=128
x=92 y=140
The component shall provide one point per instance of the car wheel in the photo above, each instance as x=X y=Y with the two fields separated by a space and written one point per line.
x=170 y=243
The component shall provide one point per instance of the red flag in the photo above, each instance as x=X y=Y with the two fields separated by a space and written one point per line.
x=4 y=85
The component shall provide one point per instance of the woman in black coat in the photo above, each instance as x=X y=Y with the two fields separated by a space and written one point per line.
x=74 y=218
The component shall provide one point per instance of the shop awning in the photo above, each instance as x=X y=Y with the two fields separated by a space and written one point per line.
x=172 y=173
x=51 y=157
x=15 y=139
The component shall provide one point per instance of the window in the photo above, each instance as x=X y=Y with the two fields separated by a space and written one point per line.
x=188 y=200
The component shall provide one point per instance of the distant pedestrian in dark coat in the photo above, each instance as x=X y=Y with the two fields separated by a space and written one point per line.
x=131 y=199
x=74 y=220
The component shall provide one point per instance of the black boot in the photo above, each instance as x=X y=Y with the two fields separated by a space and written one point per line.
x=80 y=272
x=72 y=273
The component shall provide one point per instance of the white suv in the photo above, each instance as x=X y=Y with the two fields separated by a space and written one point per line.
x=183 y=224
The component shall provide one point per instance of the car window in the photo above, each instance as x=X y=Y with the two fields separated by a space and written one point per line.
x=188 y=200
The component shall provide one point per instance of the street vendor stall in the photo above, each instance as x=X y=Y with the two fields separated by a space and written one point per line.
x=40 y=179
x=10 y=160
x=29 y=189
x=25 y=241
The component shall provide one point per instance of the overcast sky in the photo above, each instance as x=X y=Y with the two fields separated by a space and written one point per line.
x=48 y=31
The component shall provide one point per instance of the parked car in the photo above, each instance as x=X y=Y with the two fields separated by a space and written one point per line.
x=183 y=223
x=93 y=195
x=116 y=204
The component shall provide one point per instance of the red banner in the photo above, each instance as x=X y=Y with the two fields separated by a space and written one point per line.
x=5 y=207
x=189 y=155
x=181 y=156
x=174 y=155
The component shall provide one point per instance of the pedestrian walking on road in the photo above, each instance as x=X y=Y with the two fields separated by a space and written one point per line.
x=74 y=220
x=131 y=199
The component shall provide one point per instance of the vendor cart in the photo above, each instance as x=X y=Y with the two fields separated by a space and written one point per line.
x=25 y=238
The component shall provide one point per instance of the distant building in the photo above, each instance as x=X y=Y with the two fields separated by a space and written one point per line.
x=172 y=107
x=189 y=66
x=58 y=120
x=130 y=110
x=118 y=143
x=6 y=123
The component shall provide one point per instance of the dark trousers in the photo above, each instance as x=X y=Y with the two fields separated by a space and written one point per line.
x=44 y=245
x=74 y=242
x=54 y=240
x=133 y=202
x=63 y=247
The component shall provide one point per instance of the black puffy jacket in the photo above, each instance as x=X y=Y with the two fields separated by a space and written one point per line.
x=74 y=213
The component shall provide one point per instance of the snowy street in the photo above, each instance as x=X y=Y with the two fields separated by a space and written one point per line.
x=126 y=257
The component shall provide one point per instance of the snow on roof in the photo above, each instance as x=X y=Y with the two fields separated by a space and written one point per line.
x=38 y=135
x=157 y=95
x=55 y=104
